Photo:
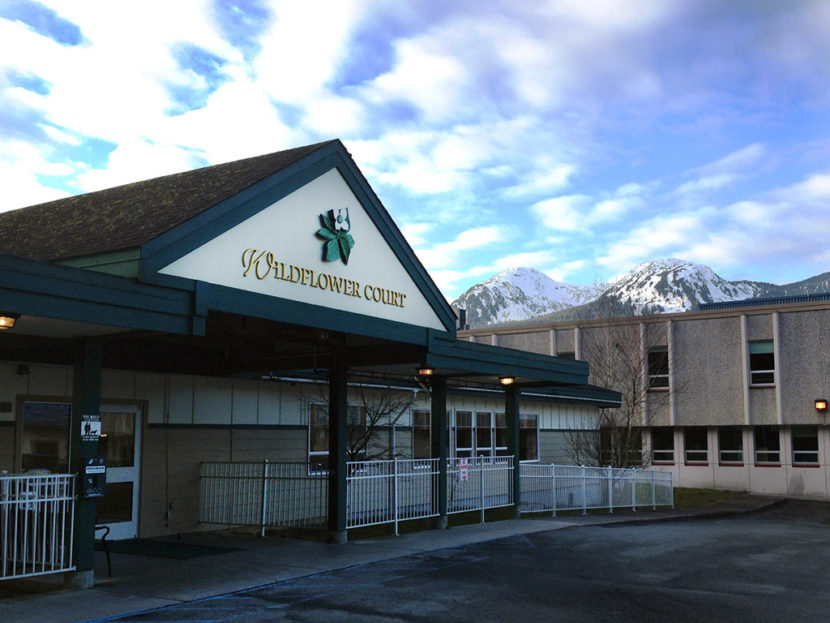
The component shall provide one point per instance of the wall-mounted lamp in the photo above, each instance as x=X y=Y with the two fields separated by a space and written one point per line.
x=425 y=371
x=821 y=405
x=7 y=320
x=507 y=380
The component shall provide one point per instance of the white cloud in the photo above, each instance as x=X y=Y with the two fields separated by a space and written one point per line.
x=20 y=166
x=664 y=236
x=563 y=213
x=444 y=254
x=415 y=233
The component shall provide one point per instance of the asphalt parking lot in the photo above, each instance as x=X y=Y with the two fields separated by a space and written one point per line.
x=768 y=566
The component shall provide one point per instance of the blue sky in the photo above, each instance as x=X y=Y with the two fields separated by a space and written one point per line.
x=576 y=137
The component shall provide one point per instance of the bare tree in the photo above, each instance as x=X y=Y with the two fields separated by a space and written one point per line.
x=381 y=409
x=614 y=349
x=370 y=424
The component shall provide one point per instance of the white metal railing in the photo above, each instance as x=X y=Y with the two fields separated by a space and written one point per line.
x=263 y=494
x=390 y=491
x=479 y=483
x=36 y=524
x=568 y=487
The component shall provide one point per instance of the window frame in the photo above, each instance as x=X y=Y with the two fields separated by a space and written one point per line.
x=321 y=464
x=669 y=432
x=657 y=362
x=523 y=418
x=731 y=456
x=419 y=429
x=812 y=453
x=765 y=449
x=495 y=430
x=760 y=374
x=696 y=430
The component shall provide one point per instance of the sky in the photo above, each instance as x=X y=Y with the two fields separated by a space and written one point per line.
x=577 y=137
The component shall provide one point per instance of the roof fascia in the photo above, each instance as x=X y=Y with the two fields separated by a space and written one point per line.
x=591 y=398
x=67 y=293
x=445 y=352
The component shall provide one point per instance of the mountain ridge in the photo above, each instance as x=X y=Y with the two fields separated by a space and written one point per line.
x=660 y=286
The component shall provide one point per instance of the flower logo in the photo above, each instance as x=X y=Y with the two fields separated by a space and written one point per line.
x=335 y=232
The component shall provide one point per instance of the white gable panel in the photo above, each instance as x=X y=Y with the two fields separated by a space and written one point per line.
x=277 y=252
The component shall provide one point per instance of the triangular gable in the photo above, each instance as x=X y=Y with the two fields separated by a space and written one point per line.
x=291 y=249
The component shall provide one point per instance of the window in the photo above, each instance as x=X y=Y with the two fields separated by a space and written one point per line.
x=46 y=436
x=658 y=368
x=805 y=445
x=662 y=445
x=696 y=445
x=318 y=438
x=501 y=434
x=357 y=437
x=484 y=434
x=731 y=446
x=761 y=363
x=421 y=443
x=767 y=446
x=528 y=438
x=463 y=434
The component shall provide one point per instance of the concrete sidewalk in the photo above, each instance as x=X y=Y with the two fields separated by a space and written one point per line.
x=141 y=582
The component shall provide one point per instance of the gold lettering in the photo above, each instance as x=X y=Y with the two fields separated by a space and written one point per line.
x=261 y=263
x=253 y=262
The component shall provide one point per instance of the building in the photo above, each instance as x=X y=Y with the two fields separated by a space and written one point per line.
x=735 y=393
x=236 y=313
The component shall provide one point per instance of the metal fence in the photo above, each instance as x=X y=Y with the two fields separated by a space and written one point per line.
x=477 y=484
x=566 y=487
x=263 y=494
x=391 y=491
x=377 y=492
x=36 y=524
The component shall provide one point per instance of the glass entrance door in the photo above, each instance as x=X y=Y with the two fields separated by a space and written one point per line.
x=120 y=443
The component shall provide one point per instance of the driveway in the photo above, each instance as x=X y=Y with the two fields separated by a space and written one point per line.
x=769 y=566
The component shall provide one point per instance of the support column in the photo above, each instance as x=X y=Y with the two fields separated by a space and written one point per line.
x=438 y=432
x=86 y=400
x=511 y=413
x=337 y=449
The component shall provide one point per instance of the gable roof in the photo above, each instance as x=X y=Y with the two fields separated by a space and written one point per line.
x=130 y=215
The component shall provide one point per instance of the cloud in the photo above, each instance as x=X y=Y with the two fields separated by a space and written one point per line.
x=663 y=236
x=563 y=213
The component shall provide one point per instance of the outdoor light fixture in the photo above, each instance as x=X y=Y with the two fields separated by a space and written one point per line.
x=7 y=320
x=425 y=371
x=821 y=405
x=507 y=380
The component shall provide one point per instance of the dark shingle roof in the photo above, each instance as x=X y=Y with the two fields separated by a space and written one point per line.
x=130 y=215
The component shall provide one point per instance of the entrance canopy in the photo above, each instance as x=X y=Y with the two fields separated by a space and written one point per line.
x=280 y=263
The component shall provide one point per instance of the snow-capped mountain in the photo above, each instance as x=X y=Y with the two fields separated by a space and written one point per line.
x=670 y=285
x=661 y=286
x=519 y=294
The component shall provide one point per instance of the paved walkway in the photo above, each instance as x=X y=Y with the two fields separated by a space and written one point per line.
x=141 y=583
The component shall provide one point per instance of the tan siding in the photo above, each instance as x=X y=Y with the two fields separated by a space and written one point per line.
x=805 y=360
x=532 y=342
x=708 y=374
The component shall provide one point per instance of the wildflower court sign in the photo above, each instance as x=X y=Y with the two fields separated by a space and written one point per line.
x=316 y=245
